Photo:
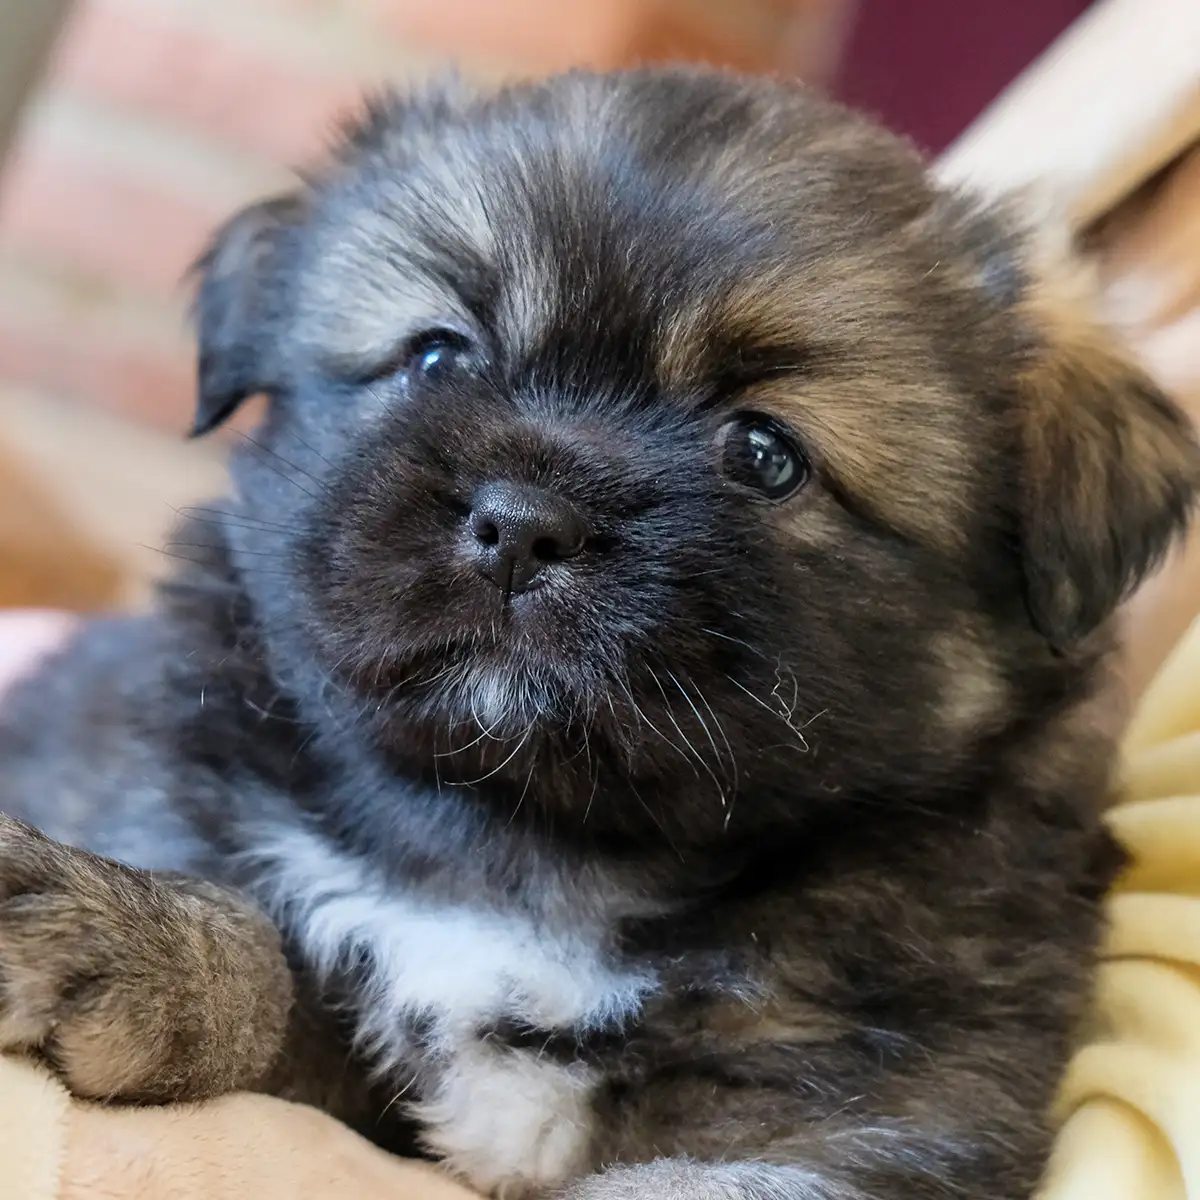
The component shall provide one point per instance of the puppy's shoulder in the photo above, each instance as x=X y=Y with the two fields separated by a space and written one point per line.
x=136 y=737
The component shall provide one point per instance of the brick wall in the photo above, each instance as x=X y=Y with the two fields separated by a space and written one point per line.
x=158 y=117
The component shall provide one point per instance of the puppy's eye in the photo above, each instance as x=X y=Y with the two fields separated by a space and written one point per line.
x=434 y=355
x=758 y=453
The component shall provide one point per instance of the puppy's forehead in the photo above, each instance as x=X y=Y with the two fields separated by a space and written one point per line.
x=644 y=193
x=515 y=227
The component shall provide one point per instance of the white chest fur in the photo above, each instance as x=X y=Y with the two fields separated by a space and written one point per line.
x=508 y=1121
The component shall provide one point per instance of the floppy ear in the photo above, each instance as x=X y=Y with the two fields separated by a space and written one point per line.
x=1110 y=469
x=237 y=306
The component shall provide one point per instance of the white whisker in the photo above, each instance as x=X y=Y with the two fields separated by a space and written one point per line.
x=785 y=716
x=687 y=741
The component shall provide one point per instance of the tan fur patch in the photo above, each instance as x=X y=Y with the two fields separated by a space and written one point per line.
x=897 y=450
x=973 y=694
x=132 y=986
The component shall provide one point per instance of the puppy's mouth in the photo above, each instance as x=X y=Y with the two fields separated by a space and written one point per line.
x=499 y=680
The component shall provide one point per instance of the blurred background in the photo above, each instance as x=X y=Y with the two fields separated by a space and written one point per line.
x=143 y=123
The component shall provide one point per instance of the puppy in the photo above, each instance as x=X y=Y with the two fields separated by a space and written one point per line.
x=632 y=731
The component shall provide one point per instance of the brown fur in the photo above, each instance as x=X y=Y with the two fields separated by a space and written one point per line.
x=1109 y=460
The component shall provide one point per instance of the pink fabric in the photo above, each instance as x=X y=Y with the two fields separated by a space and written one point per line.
x=25 y=636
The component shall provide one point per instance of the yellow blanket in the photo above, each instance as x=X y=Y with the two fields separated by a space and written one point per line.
x=1130 y=1106
x=1131 y=1100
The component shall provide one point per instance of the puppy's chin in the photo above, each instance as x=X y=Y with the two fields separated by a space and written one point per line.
x=495 y=696
x=493 y=686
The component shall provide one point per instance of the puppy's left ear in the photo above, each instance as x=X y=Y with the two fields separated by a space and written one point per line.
x=1109 y=467
x=238 y=306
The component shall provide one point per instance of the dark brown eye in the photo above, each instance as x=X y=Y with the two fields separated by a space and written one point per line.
x=433 y=356
x=760 y=454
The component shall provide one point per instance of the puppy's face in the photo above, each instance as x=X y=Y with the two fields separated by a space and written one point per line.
x=668 y=438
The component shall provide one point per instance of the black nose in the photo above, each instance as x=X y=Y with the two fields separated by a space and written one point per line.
x=518 y=530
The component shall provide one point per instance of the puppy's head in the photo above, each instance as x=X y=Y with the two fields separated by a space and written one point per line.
x=665 y=447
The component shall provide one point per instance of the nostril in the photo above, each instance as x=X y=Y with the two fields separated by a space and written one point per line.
x=551 y=549
x=486 y=532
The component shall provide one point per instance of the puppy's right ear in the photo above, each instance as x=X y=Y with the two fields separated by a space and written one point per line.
x=1107 y=466
x=237 y=307
x=1110 y=471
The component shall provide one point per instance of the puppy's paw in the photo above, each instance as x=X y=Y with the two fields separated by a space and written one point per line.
x=87 y=964
x=129 y=987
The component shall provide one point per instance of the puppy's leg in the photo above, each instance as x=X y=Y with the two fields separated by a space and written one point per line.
x=134 y=986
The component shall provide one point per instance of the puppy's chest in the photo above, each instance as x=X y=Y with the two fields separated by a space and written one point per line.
x=494 y=1106
x=455 y=1001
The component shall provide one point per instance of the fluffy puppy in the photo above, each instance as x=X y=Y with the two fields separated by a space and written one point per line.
x=631 y=731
